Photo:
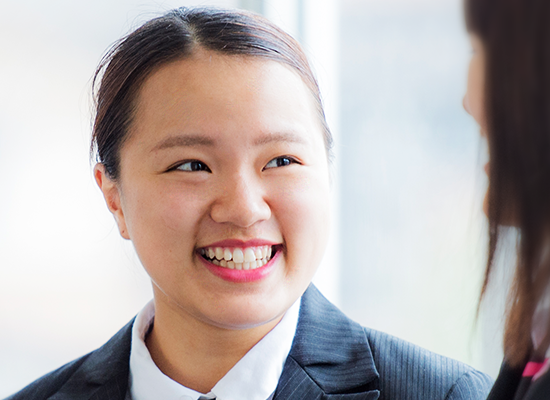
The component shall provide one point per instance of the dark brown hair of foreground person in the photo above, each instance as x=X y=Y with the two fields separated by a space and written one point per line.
x=516 y=39
x=174 y=36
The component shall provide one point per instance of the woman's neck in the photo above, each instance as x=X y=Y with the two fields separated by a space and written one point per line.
x=194 y=353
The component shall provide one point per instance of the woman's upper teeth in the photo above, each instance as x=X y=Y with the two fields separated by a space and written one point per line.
x=238 y=257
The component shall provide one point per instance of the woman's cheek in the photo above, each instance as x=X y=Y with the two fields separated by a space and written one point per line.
x=179 y=211
x=172 y=205
x=476 y=82
x=303 y=212
x=162 y=219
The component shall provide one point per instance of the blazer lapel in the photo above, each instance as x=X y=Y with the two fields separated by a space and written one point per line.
x=104 y=374
x=330 y=357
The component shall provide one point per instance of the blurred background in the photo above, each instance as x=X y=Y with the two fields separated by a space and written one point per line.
x=409 y=243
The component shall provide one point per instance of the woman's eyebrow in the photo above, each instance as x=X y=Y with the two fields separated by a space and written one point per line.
x=184 y=141
x=280 y=137
x=200 y=140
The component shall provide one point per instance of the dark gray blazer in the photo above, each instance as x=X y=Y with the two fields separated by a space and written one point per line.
x=332 y=358
x=508 y=381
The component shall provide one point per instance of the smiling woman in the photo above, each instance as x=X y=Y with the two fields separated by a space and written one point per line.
x=201 y=172
x=213 y=155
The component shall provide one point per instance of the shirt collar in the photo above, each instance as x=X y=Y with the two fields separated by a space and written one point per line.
x=254 y=377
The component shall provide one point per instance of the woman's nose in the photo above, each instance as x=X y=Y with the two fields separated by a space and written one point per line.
x=466 y=104
x=241 y=203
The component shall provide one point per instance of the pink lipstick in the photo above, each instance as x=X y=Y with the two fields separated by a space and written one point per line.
x=240 y=261
x=242 y=276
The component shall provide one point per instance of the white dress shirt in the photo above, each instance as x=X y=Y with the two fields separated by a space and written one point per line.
x=254 y=377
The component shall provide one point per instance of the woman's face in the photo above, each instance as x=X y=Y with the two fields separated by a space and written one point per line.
x=224 y=188
x=474 y=100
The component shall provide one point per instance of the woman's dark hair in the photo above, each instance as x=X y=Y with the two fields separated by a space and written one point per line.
x=516 y=39
x=175 y=36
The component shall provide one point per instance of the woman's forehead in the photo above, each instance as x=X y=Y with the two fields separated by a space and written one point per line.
x=210 y=93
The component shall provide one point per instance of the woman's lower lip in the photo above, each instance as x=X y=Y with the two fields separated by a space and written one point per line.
x=486 y=168
x=241 y=276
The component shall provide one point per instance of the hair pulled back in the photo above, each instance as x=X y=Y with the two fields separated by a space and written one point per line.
x=172 y=37
x=516 y=39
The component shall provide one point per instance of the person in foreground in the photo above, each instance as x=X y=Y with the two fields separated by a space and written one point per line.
x=213 y=158
x=509 y=96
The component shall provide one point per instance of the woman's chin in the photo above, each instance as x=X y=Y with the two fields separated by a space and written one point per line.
x=246 y=318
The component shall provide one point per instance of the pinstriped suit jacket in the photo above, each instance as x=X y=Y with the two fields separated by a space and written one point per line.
x=332 y=358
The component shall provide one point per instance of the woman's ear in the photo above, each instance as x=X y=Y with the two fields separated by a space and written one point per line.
x=111 y=194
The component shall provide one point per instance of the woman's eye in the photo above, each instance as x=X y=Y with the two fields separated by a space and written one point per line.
x=280 y=162
x=192 y=166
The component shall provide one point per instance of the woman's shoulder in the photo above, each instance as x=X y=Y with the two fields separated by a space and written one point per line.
x=106 y=367
x=329 y=344
x=406 y=367
x=49 y=384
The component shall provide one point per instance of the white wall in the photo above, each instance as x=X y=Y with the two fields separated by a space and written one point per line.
x=411 y=175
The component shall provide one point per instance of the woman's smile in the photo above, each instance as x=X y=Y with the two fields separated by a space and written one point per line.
x=241 y=258
x=240 y=261
x=234 y=267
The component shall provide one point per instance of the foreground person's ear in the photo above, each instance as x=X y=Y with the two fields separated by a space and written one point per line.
x=112 y=198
